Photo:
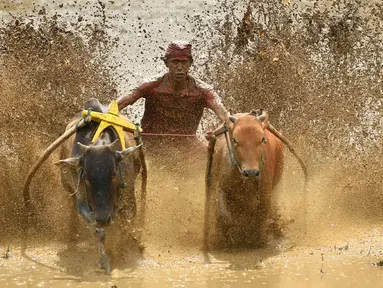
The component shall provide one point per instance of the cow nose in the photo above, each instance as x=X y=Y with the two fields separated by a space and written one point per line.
x=251 y=173
x=103 y=220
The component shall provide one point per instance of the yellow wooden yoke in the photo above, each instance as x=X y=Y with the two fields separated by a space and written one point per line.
x=111 y=118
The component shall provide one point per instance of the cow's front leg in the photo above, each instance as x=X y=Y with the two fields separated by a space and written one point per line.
x=98 y=233
x=224 y=213
x=224 y=218
x=104 y=263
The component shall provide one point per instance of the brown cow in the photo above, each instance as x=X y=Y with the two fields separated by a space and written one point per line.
x=245 y=165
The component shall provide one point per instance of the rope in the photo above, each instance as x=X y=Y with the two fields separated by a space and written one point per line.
x=86 y=123
x=169 y=134
x=78 y=184
x=232 y=156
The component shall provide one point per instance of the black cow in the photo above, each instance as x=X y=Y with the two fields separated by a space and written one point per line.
x=101 y=176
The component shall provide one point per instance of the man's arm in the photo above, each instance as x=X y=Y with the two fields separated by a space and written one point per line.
x=222 y=114
x=219 y=110
x=213 y=102
x=129 y=99
x=144 y=90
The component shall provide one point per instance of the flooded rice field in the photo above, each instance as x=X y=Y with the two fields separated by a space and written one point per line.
x=316 y=67
x=352 y=265
x=332 y=252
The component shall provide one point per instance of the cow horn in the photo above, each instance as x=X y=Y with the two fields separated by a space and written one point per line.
x=232 y=118
x=129 y=150
x=264 y=115
x=48 y=152
x=114 y=146
x=256 y=113
x=291 y=148
x=82 y=148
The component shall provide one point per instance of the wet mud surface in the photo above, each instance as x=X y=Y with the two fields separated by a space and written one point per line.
x=316 y=67
x=353 y=263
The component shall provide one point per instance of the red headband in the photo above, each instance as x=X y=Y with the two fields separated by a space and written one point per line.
x=180 y=50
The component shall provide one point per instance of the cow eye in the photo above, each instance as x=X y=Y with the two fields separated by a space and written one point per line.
x=264 y=140
x=235 y=141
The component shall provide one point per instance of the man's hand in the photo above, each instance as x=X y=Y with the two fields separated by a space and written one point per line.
x=224 y=115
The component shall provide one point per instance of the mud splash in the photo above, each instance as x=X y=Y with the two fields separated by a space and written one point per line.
x=315 y=68
x=47 y=73
x=354 y=263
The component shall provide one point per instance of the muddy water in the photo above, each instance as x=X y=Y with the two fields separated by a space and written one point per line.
x=331 y=253
x=350 y=265
x=338 y=247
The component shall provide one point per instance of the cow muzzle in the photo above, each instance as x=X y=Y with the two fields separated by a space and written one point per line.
x=103 y=218
x=254 y=173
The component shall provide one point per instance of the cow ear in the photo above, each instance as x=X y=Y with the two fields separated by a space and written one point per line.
x=127 y=152
x=68 y=163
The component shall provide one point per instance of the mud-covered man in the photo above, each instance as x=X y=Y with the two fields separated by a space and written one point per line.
x=174 y=102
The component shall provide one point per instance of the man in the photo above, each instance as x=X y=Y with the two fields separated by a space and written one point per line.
x=174 y=105
x=175 y=101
